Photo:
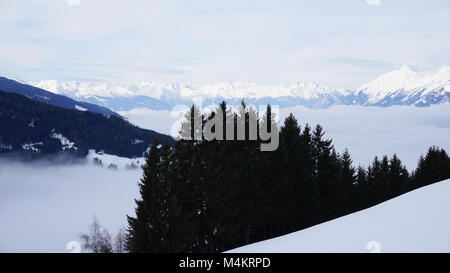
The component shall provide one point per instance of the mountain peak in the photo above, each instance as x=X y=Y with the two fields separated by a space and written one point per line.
x=406 y=82
x=445 y=67
x=406 y=68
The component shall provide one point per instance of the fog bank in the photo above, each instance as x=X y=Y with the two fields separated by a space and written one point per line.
x=44 y=207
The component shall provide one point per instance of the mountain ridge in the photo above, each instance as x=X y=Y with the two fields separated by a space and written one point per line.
x=36 y=128
x=403 y=86
x=41 y=95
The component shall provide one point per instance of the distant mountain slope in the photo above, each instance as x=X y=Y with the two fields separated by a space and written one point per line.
x=399 y=87
x=32 y=127
x=405 y=86
x=41 y=95
x=398 y=225
x=164 y=96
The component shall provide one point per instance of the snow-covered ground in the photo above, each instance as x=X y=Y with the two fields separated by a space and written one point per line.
x=415 y=222
x=121 y=163
x=66 y=143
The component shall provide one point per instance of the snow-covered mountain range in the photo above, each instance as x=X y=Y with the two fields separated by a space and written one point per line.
x=402 y=86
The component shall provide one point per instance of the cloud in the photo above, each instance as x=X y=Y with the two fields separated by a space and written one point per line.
x=217 y=41
x=44 y=214
x=73 y=2
x=373 y=2
x=360 y=62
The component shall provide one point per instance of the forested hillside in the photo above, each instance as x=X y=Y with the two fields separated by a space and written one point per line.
x=34 y=128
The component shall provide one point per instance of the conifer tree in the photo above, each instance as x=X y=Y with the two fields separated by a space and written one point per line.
x=310 y=195
x=362 y=189
x=434 y=167
x=147 y=232
x=347 y=182
x=191 y=128
x=289 y=186
x=326 y=169
x=374 y=179
x=398 y=176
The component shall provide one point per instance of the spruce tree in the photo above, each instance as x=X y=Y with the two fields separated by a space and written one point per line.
x=147 y=232
x=434 y=167
x=288 y=186
x=347 y=182
x=326 y=168
x=398 y=176
x=374 y=179
x=362 y=189
x=191 y=127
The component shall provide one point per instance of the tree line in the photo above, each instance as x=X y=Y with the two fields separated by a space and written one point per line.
x=216 y=195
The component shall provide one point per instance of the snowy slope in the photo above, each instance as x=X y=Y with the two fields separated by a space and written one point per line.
x=415 y=222
x=406 y=86
x=120 y=163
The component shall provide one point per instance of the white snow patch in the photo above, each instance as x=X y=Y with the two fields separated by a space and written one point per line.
x=44 y=97
x=79 y=108
x=120 y=162
x=32 y=146
x=5 y=147
x=66 y=144
x=136 y=141
x=31 y=124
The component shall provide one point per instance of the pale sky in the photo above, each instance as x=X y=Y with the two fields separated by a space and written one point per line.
x=335 y=43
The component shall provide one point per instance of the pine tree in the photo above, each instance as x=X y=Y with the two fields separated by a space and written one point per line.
x=147 y=232
x=310 y=195
x=434 y=167
x=374 y=179
x=288 y=187
x=362 y=189
x=185 y=203
x=385 y=183
x=326 y=170
x=398 y=176
x=347 y=182
x=192 y=126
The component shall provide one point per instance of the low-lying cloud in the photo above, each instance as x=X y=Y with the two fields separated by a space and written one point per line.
x=43 y=207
